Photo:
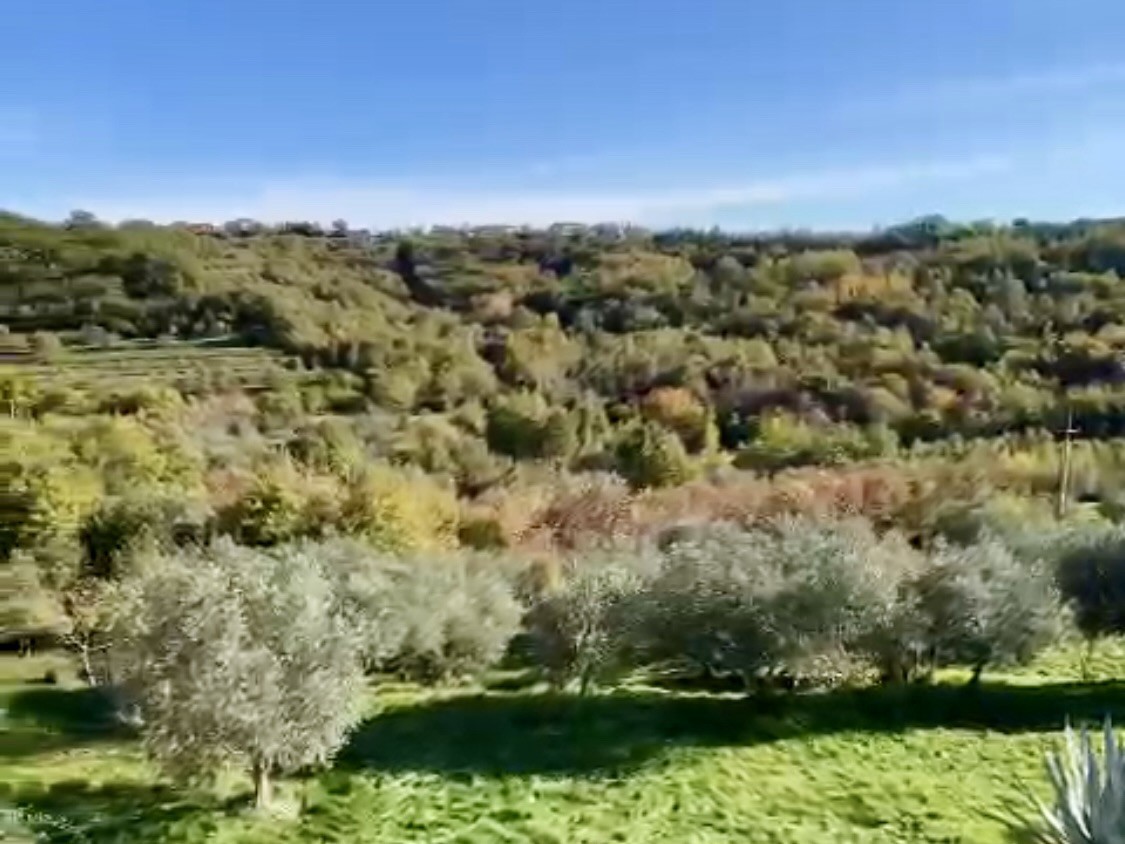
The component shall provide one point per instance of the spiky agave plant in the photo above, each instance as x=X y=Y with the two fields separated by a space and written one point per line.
x=1089 y=798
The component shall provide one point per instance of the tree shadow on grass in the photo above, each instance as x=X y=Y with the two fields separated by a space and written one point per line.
x=613 y=734
x=77 y=812
x=41 y=719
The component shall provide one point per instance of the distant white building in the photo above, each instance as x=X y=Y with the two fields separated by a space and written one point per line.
x=494 y=230
x=610 y=231
x=567 y=228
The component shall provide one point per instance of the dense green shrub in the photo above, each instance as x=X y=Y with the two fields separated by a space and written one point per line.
x=524 y=426
x=649 y=455
x=28 y=608
x=1002 y=515
x=145 y=520
x=272 y=511
x=783 y=441
x=328 y=445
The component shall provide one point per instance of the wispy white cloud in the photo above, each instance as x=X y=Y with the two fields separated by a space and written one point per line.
x=394 y=205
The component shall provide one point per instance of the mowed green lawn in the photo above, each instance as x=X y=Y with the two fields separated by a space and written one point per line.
x=924 y=764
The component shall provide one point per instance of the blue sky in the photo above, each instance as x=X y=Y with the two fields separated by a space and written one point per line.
x=747 y=114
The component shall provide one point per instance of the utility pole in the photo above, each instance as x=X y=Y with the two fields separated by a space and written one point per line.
x=1054 y=343
x=1064 y=464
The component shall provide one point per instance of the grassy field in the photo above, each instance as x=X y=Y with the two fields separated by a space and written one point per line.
x=924 y=764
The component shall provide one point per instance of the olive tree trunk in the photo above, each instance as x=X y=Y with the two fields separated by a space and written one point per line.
x=263 y=785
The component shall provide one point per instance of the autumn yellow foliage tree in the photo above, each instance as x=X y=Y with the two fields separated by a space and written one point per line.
x=681 y=411
x=400 y=510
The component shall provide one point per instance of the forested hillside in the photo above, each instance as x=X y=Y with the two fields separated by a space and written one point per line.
x=539 y=389
x=247 y=473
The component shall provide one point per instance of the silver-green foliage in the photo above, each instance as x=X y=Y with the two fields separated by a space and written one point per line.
x=239 y=655
x=369 y=585
x=778 y=597
x=1088 y=805
x=983 y=605
x=429 y=617
x=460 y=613
x=583 y=628
x=710 y=603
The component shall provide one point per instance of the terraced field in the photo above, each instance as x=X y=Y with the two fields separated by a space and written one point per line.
x=181 y=364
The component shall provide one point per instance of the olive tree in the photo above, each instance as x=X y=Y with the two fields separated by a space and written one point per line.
x=897 y=643
x=28 y=607
x=710 y=604
x=459 y=613
x=842 y=586
x=786 y=596
x=427 y=616
x=1090 y=572
x=239 y=655
x=369 y=585
x=583 y=627
x=984 y=605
